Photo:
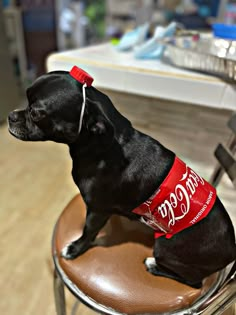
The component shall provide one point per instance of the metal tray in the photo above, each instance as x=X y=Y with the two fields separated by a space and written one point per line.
x=204 y=53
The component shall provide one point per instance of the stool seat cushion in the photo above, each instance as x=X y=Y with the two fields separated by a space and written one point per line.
x=113 y=273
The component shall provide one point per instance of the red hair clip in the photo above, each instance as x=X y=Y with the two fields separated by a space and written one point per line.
x=81 y=76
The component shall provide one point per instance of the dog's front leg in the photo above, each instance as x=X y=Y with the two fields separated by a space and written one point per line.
x=94 y=222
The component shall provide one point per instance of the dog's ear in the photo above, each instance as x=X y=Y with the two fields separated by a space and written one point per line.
x=97 y=122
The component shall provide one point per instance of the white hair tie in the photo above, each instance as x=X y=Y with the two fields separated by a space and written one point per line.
x=83 y=77
x=83 y=107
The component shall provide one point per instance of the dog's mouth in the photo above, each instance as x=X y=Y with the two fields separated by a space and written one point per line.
x=17 y=133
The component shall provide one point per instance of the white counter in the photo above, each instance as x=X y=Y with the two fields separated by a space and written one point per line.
x=122 y=72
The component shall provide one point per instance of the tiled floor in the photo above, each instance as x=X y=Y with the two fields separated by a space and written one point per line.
x=36 y=184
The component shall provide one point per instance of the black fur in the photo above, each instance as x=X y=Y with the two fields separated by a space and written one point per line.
x=116 y=169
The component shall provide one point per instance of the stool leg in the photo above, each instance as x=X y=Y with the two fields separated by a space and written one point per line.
x=59 y=295
x=75 y=308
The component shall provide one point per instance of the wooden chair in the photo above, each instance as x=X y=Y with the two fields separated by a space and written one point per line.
x=111 y=278
x=225 y=156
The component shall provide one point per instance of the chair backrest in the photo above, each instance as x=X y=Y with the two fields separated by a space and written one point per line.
x=225 y=154
x=227 y=161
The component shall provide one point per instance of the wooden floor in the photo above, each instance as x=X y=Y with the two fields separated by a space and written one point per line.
x=36 y=184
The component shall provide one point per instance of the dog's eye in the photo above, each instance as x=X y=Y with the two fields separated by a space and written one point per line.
x=36 y=115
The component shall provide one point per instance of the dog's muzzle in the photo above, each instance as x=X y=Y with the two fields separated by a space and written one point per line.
x=16 y=124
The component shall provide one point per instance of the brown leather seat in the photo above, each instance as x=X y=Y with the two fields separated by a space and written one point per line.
x=113 y=273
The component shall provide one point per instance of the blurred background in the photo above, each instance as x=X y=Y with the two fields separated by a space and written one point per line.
x=35 y=180
x=32 y=29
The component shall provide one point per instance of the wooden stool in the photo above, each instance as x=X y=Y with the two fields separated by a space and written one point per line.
x=111 y=277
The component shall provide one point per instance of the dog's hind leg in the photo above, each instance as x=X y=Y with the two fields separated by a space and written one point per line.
x=150 y=263
x=94 y=222
x=152 y=267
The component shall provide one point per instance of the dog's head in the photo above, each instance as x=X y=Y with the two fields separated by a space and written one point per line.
x=53 y=112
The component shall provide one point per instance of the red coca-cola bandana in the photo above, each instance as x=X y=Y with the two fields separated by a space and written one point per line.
x=183 y=199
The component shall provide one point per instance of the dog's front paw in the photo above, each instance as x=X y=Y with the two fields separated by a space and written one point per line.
x=74 y=249
x=70 y=251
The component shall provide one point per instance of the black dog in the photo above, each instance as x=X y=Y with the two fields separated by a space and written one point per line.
x=117 y=168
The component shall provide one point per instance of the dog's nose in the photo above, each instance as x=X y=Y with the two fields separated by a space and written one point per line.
x=13 y=116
